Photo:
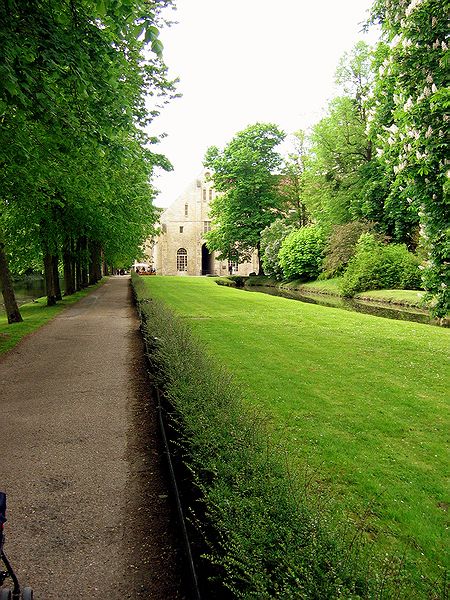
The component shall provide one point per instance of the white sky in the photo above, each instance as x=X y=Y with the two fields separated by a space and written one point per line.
x=246 y=61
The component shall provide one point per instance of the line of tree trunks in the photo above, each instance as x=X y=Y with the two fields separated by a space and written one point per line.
x=83 y=265
x=6 y=283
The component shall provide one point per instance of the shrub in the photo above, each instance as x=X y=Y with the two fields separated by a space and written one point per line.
x=271 y=240
x=264 y=538
x=301 y=253
x=341 y=246
x=380 y=266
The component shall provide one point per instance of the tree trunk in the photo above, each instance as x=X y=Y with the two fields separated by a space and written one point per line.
x=9 y=297
x=69 y=272
x=49 y=279
x=77 y=267
x=55 y=262
x=260 y=267
x=84 y=261
x=94 y=262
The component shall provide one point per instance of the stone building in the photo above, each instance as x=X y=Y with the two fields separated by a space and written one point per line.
x=180 y=248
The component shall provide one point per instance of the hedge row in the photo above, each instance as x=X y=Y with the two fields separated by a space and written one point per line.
x=266 y=537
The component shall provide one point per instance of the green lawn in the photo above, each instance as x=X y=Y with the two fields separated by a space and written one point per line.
x=34 y=314
x=359 y=399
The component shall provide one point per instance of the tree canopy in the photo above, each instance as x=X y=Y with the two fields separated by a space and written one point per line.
x=245 y=174
x=77 y=93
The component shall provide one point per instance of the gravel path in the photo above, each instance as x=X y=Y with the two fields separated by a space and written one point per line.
x=81 y=462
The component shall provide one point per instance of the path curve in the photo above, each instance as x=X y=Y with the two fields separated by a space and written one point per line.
x=81 y=462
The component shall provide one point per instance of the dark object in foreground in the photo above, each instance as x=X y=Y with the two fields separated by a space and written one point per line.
x=15 y=593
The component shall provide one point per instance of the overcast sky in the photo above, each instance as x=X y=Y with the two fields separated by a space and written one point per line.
x=246 y=61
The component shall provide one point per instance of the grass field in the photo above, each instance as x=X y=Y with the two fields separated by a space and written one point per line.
x=34 y=314
x=360 y=400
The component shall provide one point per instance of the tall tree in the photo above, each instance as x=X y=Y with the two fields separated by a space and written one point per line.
x=411 y=119
x=292 y=182
x=344 y=181
x=73 y=87
x=245 y=173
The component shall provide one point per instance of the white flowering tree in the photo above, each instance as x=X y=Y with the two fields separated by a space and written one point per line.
x=411 y=101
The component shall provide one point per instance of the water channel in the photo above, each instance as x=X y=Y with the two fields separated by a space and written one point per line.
x=28 y=289
x=372 y=308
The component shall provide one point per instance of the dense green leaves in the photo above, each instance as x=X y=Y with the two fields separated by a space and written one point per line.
x=410 y=118
x=245 y=172
x=301 y=253
x=76 y=93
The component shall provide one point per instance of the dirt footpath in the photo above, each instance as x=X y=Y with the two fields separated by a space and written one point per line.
x=89 y=506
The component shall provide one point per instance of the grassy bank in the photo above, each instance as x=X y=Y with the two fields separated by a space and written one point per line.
x=360 y=400
x=331 y=287
x=35 y=314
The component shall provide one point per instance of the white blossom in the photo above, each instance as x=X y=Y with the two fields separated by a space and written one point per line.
x=408 y=104
x=434 y=88
x=444 y=46
x=412 y=6
x=395 y=41
x=429 y=132
x=429 y=78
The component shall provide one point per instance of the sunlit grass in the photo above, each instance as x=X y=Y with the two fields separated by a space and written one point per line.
x=34 y=314
x=360 y=399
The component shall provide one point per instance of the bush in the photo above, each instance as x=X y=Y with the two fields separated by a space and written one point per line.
x=341 y=246
x=378 y=266
x=271 y=240
x=301 y=253
x=264 y=539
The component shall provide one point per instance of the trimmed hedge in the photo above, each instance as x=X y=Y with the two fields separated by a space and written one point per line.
x=267 y=536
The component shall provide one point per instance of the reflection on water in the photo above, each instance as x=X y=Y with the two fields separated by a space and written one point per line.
x=371 y=308
x=29 y=288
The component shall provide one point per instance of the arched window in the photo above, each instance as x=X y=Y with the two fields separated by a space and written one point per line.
x=182 y=259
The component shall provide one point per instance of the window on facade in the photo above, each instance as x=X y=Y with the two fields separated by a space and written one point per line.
x=182 y=259
x=206 y=226
x=232 y=267
x=186 y=210
x=181 y=228
x=210 y=195
x=204 y=195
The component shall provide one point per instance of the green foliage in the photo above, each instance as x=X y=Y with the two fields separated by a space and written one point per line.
x=380 y=266
x=301 y=253
x=292 y=182
x=271 y=240
x=75 y=161
x=244 y=172
x=341 y=246
x=410 y=125
x=264 y=541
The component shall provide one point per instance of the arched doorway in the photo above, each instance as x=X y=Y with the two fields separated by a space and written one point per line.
x=207 y=261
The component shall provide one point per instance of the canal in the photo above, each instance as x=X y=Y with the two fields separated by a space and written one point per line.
x=372 y=308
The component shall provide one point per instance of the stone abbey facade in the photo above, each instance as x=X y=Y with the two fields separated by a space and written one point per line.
x=180 y=248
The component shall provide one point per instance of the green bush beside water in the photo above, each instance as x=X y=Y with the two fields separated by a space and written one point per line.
x=377 y=266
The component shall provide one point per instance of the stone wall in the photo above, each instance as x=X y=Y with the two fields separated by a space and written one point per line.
x=180 y=248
